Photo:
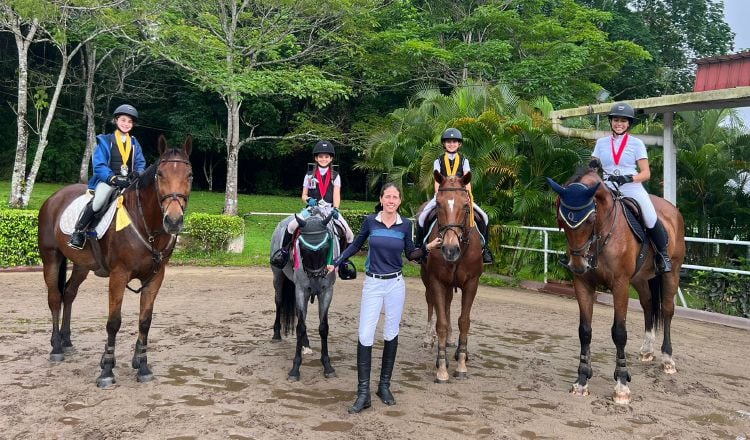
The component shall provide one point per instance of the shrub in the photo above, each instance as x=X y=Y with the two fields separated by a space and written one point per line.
x=727 y=293
x=210 y=232
x=18 y=238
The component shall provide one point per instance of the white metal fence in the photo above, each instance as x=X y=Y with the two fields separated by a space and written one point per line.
x=548 y=251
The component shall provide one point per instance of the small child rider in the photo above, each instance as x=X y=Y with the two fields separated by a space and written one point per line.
x=322 y=183
x=117 y=157
x=451 y=163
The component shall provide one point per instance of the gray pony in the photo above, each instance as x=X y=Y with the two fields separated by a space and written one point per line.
x=296 y=286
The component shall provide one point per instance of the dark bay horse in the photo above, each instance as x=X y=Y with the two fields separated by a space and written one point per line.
x=458 y=265
x=604 y=251
x=304 y=278
x=155 y=203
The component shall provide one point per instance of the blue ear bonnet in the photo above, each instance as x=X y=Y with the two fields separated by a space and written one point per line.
x=576 y=204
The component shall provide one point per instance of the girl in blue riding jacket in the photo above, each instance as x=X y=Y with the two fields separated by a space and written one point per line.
x=625 y=163
x=389 y=236
x=117 y=157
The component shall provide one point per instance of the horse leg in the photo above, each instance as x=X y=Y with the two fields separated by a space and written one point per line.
x=585 y=296
x=646 y=353
x=671 y=282
x=323 y=305
x=55 y=266
x=450 y=340
x=278 y=280
x=117 y=282
x=621 y=393
x=71 y=291
x=441 y=304
x=429 y=330
x=293 y=374
x=468 y=292
x=140 y=358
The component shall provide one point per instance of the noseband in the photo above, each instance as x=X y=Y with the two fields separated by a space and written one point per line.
x=463 y=237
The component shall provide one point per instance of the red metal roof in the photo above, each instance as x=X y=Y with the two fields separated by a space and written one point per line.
x=723 y=72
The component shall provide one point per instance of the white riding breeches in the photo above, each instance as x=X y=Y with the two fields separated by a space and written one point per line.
x=639 y=193
x=431 y=205
x=101 y=195
x=380 y=294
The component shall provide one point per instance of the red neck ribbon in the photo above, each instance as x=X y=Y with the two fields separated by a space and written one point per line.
x=618 y=154
x=323 y=181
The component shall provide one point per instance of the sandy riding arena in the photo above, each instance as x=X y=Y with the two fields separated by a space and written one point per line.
x=219 y=376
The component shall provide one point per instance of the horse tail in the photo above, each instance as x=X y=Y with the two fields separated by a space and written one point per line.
x=288 y=306
x=62 y=273
x=655 y=286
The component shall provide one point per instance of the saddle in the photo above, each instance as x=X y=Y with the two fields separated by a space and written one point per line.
x=99 y=224
x=634 y=218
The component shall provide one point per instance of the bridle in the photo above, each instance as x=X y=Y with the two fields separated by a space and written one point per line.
x=322 y=271
x=157 y=256
x=463 y=237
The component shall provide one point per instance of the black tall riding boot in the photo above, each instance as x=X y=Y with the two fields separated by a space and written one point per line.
x=389 y=359
x=364 y=363
x=661 y=239
x=487 y=257
x=78 y=237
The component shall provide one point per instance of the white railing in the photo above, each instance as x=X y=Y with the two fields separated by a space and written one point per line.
x=547 y=251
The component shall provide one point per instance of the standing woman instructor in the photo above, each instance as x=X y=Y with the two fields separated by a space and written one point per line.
x=389 y=236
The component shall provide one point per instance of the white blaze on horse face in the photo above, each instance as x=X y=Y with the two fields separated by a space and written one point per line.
x=451 y=202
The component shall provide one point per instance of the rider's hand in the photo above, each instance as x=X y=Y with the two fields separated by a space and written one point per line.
x=620 y=180
x=311 y=202
x=119 y=182
x=336 y=213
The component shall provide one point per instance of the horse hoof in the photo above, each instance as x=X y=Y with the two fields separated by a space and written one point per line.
x=647 y=357
x=669 y=368
x=69 y=349
x=441 y=380
x=56 y=357
x=276 y=339
x=621 y=398
x=292 y=378
x=330 y=374
x=145 y=378
x=461 y=375
x=578 y=390
x=105 y=382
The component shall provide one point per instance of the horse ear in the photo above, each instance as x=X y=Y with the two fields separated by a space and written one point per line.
x=162 y=144
x=555 y=186
x=187 y=147
x=439 y=178
x=466 y=179
x=592 y=190
x=300 y=221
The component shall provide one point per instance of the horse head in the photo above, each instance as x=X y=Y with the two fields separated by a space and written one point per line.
x=453 y=207
x=576 y=215
x=315 y=244
x=173 y=176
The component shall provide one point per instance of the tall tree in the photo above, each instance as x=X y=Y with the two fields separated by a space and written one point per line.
x=247 y=48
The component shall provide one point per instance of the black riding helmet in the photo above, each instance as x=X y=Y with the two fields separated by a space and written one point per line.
x=126 y=109
x=622 y=110
x=323 y=147
x=451 y=133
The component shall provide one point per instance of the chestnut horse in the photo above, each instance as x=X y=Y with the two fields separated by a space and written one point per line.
x=457 y=265
x=155 y=203
x=604 y=251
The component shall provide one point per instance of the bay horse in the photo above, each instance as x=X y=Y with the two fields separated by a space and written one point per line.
x=304 y=278
x=458 y=265
x=604 y=251
x=155 y=202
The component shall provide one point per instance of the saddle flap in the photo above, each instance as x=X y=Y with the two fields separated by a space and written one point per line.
x=70 y=216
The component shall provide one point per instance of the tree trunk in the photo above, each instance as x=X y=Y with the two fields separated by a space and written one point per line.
x=22 y=140
x=43 y=140
x=89 y=108
x=233 y=103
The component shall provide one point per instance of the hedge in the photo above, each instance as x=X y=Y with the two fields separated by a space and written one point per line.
x=18 y=238
x=211 y=232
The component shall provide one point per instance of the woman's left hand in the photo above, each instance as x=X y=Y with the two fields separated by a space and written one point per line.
x=436 y=243
x=330 y=268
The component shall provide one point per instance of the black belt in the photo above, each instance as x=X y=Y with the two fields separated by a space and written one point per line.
x=386 y=276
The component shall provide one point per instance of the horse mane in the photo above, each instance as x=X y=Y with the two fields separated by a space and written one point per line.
x=580 y=173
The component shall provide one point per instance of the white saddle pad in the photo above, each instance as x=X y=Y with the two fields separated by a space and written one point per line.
x=70 y=216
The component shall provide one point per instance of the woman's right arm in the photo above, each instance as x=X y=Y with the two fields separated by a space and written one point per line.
x=357 y=244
